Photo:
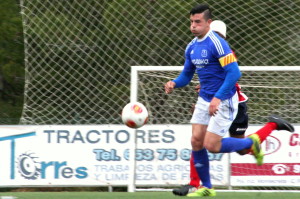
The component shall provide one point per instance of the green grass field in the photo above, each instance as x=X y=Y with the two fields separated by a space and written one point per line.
x=143 y=195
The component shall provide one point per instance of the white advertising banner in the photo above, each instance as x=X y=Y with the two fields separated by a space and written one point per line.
x=95 y=155
x=281 y=162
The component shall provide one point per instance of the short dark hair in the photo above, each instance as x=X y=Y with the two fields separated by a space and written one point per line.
x=202 y=8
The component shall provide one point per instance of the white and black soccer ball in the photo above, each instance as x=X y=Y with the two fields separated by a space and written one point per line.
x=135 y=115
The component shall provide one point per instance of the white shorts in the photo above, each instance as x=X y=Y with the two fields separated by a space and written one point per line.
x=221 y=122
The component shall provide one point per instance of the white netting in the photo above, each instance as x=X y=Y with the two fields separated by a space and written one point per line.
x=270 y=92
x=79 y=53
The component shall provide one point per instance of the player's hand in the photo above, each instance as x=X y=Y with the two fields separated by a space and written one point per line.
x=169 y=87
x=197 y=88
x=214 y=105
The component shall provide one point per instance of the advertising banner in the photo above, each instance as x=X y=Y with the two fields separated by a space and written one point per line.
x=281 y=162
x=99 y=155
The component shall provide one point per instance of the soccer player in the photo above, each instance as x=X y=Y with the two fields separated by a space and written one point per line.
x=238 y=126
x=211 y=57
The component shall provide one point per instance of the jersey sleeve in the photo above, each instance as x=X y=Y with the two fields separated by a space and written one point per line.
x=188 y=64
x=228 y=62
x=188 y=71
x=222 y=52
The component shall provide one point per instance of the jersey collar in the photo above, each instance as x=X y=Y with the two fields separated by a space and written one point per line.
x=205 y=36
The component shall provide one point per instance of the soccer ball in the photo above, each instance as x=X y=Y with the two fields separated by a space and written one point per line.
x=134 y=115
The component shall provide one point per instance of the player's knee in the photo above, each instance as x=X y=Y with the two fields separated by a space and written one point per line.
x=196 y=143
x=212 y=147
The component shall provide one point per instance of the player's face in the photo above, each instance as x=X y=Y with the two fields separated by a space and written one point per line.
x=199 y=26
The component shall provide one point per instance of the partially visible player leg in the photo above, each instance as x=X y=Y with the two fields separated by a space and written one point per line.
x=281 y=123
x=184 y=190
x=275 y=123
x=194 y=181
x=230 y=144
x=240 y=125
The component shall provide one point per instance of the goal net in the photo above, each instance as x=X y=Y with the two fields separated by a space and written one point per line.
x=271 y=90
x=78 y=53
x=78 y=58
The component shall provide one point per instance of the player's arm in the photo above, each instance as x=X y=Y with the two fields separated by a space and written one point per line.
x=233 y=74
x=229 y=62
x=182 y=80
x=184 y=77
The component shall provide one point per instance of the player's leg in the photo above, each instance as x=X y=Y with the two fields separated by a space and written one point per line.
x=199 y=121
x=216 y=144
x=194 y=178
x=275 y=123
x=192 y=185
x=201 y=162
x=200 y=155
x=219 y=125
x=184 y=190
x=240 y=125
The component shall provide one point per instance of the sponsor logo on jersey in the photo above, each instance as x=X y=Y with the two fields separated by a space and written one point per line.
x=204 y=53
x=200 y=61
x=230 y=58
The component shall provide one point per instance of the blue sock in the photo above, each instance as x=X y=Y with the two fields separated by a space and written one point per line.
x=201 y=163
x=235 y=144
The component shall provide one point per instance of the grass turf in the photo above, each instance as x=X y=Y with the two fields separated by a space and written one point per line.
x=143 y=195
